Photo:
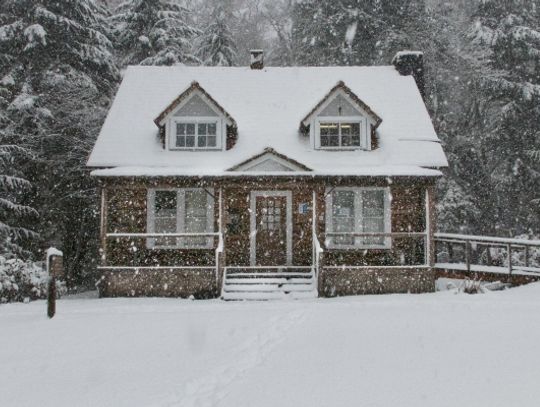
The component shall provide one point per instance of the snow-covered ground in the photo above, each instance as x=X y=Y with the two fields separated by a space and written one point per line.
x=441 y=349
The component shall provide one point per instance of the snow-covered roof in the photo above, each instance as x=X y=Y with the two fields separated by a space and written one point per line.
x=267 y=106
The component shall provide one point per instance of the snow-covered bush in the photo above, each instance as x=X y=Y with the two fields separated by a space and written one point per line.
x=20 y=280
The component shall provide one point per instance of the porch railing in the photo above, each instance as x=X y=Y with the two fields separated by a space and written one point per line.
x=487 y=254
x=132 y=236
x=389 y=246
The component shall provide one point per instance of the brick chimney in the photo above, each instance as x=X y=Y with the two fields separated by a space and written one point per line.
x=411 y=63
x=257 y=61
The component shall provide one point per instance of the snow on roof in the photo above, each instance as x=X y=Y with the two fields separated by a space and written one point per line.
x=268 y=106
x=360 y=171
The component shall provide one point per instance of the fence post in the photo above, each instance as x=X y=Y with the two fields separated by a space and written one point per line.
x=526 y=256
x=54 y=270
x=468 y=255
x=509 y=249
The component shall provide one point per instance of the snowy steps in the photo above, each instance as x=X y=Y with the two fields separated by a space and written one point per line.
x=267 y=285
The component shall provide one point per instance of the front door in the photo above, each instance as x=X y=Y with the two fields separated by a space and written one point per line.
x=270 y=236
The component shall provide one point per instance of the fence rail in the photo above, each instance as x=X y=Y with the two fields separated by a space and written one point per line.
x=487 y=253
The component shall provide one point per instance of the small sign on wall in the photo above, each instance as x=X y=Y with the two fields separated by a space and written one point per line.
x=303 y=208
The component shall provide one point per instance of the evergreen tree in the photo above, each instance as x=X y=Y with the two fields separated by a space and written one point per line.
x=501 y=124
x=216 y=45
x=154 y=32
x=57 y=75
x=355 y=32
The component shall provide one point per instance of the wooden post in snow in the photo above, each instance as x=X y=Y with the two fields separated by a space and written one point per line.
x=54 y=269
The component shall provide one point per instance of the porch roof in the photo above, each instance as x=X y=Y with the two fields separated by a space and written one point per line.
x=379 y=171
x=268 y=106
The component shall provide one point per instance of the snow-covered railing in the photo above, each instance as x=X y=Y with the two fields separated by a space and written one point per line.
x=124 y=235
x=474 y=253
x=389 y=244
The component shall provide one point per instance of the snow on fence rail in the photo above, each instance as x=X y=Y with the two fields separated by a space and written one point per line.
x=487 y=254
x=122 y=235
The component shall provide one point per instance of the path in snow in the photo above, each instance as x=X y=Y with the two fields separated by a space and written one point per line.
x=209 y=390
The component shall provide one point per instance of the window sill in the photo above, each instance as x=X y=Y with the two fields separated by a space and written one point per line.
x=195 y=149
x=359 y=247
x=342 y=148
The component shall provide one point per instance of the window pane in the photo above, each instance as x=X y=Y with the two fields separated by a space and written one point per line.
x=212 y=129
x=180 y=128
x=373 y=216
x=165 y=203
x=190 y=128
x=346 y=129
x=195 y=216
x=333 y=141
x=343 y=216
x=202 y=129
x=329 y=129
x=180 y=141
x=190 y=141
x=346 y=141
x=201 y=141
x=373 y=203
x=325 y=141
x=211 y=141
x=165 y=217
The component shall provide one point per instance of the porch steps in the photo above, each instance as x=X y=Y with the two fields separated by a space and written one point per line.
x=264 y=285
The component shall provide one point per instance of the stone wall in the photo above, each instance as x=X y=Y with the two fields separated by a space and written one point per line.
x=354 y=281
x=201 y=283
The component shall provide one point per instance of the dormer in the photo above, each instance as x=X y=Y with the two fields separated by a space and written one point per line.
x=194 y=121
x=341 y=121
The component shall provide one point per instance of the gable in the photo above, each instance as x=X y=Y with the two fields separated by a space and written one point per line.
x=196 y=99
x=339 y=106
x=341 y=96
x=269 y=161
x=195 y=107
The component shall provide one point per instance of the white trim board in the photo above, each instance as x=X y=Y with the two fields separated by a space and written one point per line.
x=253 y=223
x=258 y=164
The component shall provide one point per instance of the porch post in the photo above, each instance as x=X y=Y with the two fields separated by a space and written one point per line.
x=220 y=258
x=103 y=226
x=430 y=226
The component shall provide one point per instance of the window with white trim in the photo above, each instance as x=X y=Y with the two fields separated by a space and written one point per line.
x=358 y=210
x=340 y=133
x=186 y=210
x=202 y=133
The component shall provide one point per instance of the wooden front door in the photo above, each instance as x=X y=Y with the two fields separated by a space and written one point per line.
x=271 y=238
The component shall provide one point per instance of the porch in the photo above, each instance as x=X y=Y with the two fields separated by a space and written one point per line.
x=269 y=243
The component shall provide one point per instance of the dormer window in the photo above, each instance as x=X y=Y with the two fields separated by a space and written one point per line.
x=196 y=133
x=195 y=121
x=340 y=133
x=341 y=121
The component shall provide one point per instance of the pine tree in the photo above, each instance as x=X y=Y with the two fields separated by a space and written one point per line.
x=216 y=45
x=13 y=214
x=356 y=32
x=154 y=32
x=56 y=79
x=501 y=124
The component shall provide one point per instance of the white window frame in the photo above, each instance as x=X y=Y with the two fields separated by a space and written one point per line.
x=195 y=120
x=341 y=119
x=359 y=241
x=180 y=217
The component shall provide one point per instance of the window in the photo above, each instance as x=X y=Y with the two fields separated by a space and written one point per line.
x=358 y=210
x=180 y=211
x=340 y=133
x=200 y=133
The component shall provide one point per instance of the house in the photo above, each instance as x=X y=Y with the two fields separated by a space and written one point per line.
x=258 y=182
